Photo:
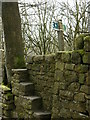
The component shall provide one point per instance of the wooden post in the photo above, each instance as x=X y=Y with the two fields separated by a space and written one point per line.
x=60 y=36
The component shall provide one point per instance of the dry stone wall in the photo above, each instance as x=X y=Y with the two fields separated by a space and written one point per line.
x=63 y=80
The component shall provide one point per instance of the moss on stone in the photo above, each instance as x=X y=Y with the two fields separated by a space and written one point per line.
x=81 y=52
x=81 y=78
x=87 y=38
x=79 y=41
x=19 y=62
x=5 y=88
x=9 y=96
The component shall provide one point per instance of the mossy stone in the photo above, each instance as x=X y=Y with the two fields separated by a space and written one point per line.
x=19 y=62
x=87 y=43
x=81 y=78
x=86 y=58
x=79 y=42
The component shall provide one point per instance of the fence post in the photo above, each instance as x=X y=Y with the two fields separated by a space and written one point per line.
x=60 y=36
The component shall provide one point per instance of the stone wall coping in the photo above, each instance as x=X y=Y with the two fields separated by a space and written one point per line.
x=17 y=70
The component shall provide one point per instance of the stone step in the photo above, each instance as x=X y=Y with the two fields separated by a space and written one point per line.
x=26 y=88
x=42 y=115
x=20 y=75
x=34 y=101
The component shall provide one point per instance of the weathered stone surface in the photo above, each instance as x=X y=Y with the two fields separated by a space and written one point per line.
x=80 y=107
x=21 y=75
x=8 y=107
x=38 y=58
x=79 y=42
x=56 y=88
x=59 y=76
x=87 y=97
x=68 y=95
x=66 y=57
x=66 y=113
x=81 y=78
x=75 y=57
x=59 y=65
x=79 y=116
x=62 y=85
x=70 y=76
x=69 y=66
x=50 y=58
x=61 y=81
x=74 y=86
x=26 y=88
x=88 y=78
x=88 y=106
x=87 y=43
x=81 y=68
x=80 y=97
x=85 y=89
x=86 y=58
x=58 y=56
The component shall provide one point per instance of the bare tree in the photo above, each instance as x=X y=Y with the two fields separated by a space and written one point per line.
x=37 y=27
x=76 y=18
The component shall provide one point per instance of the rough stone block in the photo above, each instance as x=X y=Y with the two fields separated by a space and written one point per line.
x=59 y=65
x=88 y=106
x=58 y=56
x=66 y=57
x=80 y=97
x=38 y=58
x=56 y=88
x=62 y=85
x=65 y=113
x=75 y=106
x=81 y=68
x=87 y=97
x=88 y=78
x=87 y=43
x=9 y=96
x=81 y=78
x=85 y=89
x=79 y=42
x=79 y=116
x=26 y=88
x=59 y=76
x=70 y=76
x=86 y=58
x=50 y=58
x=74 y=87
x=8 y=107
x=69 y=66
x=75 y=57
x=20 y=75
x=7 y=114
x=68 y=95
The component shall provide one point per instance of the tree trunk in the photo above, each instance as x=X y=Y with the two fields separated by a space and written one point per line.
x=14 y=44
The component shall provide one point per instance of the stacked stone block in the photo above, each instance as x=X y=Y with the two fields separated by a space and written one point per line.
x=71 y=96
x=61 y=80
x=41 y=70
x=65 y=88
x=7 y=103
x=28 y=105
x=1 y=77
